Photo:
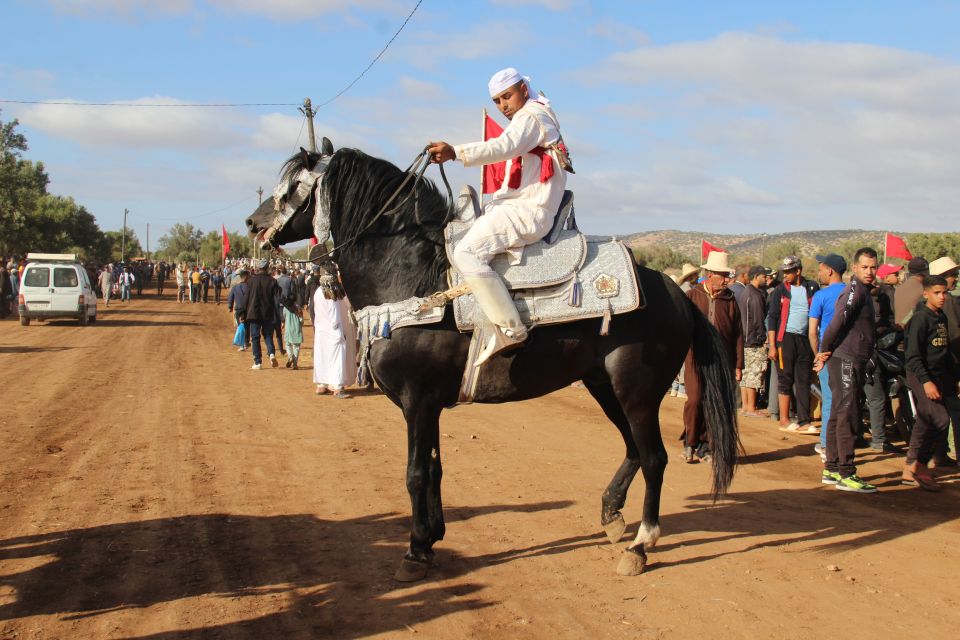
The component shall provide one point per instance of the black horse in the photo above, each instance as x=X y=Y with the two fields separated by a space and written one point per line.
x=394 y=255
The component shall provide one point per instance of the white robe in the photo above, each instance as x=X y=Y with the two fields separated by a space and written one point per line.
x=334 y=342
x=517 y=217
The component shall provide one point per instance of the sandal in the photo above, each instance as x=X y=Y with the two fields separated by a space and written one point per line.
x=341 y=395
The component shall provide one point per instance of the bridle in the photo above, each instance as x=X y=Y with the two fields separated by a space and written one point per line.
x=310 y=182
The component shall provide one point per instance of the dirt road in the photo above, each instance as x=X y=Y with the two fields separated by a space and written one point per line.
x=153 y=486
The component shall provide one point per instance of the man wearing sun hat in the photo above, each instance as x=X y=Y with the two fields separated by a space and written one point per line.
x=717 y=303
x=522 y=210
x=688 y=276
x=949 y=269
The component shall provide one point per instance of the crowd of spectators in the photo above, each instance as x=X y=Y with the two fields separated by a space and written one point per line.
x=782 y=327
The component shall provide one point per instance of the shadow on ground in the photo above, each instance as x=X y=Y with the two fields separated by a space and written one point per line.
x=334 y=576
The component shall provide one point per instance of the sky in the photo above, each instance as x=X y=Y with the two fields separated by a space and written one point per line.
x=732 y=117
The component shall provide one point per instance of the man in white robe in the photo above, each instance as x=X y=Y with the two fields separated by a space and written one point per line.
x=334 y=340
x=522 y=211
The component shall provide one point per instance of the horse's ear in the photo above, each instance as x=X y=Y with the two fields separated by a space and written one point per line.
x=305 y=157
x=326 y=147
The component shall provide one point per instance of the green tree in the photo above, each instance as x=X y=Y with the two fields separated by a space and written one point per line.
x=934 y=245
x=131 y=248
x=22 y=184
x=181 y=242
x=659 y=257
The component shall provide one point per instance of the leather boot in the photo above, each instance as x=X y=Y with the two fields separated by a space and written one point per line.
x=497 y=305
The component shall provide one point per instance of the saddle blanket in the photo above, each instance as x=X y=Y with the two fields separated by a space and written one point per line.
x=541 y=264
x=604 y=285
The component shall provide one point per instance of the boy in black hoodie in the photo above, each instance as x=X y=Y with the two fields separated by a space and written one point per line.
x=932 y=377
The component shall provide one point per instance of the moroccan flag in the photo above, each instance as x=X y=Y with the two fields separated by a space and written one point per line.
x=492 y=173
x=896 y=247
x=226 y=241
x=706 y=248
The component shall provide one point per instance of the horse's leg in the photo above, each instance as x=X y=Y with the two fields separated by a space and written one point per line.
x=423 y=485
x=613 y=499
x=653 y=462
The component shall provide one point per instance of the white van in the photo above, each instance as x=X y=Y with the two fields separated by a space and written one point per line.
x=55 y=285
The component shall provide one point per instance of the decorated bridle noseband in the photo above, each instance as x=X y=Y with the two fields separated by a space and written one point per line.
x=286 y=205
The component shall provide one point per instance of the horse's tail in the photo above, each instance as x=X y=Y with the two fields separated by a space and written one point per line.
x=718 y=390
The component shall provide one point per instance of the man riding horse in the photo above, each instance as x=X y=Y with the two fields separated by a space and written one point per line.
x=523 y=208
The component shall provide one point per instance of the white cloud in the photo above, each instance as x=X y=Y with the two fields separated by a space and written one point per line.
x=432 y=50
x=136 y=127
x=34 y=80
x=618 y=32
x=125 y=8
x=553 y=5
x=274 y=9
x=818 y=130
x=300 y=9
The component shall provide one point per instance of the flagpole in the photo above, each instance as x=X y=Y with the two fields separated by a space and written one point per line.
x=885 y=234
x=483 y=136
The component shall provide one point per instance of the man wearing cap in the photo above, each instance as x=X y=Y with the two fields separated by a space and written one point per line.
x=830 y=273
x=789 y=347
x=262 y=293
x=949 y=269
x=237 y=303
x=911 y=291
x=717 y=303
x=753 y=313
x=522 y=210
x=847 y=345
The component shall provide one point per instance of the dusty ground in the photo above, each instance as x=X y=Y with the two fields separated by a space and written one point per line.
x=153 y=486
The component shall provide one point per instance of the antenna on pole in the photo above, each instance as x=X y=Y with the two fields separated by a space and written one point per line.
x=308 y=112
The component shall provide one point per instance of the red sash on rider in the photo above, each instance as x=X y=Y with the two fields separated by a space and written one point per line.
x=493 y=173
x=516 y=167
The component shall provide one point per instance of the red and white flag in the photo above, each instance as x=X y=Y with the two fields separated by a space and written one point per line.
x=226 y=241
x=896 y=247
x=492 y=178
x=706 y=248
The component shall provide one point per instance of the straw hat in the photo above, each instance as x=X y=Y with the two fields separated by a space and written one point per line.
x=942 y=266
x=688 y=270
x=717 y=261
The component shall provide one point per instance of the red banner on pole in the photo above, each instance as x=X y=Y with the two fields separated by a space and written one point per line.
x=896 y=247
x=706 y=248
x=226 y=241
x=492 y=173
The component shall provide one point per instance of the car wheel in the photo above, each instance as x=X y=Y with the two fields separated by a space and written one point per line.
x=24 y=321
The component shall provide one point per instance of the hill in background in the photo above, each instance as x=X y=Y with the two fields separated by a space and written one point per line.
x=750 y=246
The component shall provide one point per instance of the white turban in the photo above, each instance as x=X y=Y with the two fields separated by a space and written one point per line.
x=506 y=78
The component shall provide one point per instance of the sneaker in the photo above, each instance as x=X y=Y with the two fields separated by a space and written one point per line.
x=855 y=485
x=830 y=477
x=257 y=366
x=241 y=349
x=273 y=362
x=819 y=449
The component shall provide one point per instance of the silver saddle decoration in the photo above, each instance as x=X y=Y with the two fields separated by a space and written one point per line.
x=565 y=277
x=378 y=323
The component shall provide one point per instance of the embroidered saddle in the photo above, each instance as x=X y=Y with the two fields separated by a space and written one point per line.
x=566 y=276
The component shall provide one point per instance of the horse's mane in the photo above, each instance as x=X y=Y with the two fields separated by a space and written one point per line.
x=357 y=187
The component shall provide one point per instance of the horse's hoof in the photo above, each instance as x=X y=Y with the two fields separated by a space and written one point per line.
x=411 y=571
x=632 y=562
x=615 y=529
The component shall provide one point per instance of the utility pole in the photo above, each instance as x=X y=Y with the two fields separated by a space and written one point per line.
x=123 y=238
x=256 y=249
x=307 y=110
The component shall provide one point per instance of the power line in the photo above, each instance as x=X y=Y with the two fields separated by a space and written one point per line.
x=208 y=213
x=231 y=104
x=140 y=104
x=374 y=61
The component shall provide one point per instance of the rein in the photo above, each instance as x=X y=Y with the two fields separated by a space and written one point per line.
x=413 y=172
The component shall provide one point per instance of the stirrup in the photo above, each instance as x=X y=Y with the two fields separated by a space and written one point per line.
x=501 y=340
